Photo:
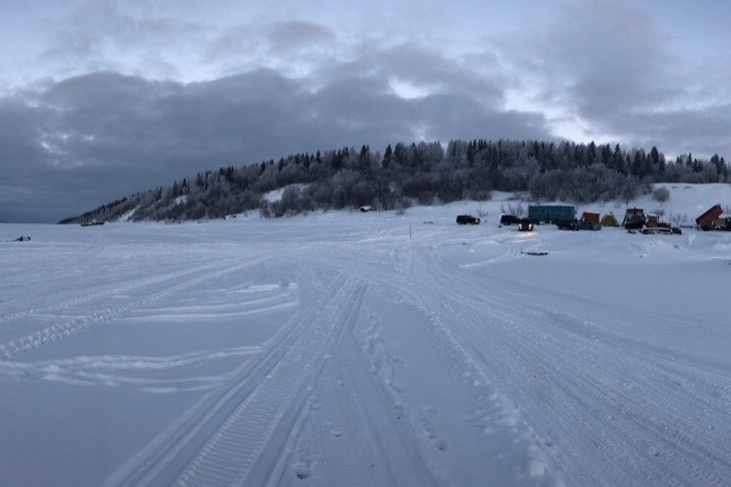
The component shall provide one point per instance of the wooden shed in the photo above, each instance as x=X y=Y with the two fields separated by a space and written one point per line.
x=590 y=217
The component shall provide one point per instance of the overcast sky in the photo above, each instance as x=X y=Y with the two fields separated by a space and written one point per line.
x=100 y=99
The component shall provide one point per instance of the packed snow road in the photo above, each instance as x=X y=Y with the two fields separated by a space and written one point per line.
x=343 y=349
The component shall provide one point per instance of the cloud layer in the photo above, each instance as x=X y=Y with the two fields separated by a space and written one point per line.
x=135 y=100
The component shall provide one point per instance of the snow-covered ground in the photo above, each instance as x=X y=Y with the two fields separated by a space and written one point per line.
x=367 y=349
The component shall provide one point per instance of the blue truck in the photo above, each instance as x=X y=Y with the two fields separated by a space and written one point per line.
x=551 y=213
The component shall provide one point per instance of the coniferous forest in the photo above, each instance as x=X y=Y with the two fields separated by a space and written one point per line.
x=420 y=173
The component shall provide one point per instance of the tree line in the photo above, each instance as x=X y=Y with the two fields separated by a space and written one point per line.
x=404 y=174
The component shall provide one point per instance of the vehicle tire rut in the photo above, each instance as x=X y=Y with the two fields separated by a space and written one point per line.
x=237 y=435
x=73 y=326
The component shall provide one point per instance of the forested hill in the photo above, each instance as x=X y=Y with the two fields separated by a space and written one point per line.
x=423 y=173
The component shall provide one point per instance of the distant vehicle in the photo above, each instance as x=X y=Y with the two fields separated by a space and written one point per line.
x=578 y=225
x=551 y=213
x=92 y=223
x=634 y=219
x=722 y=224
x=657 y=231
x=588 y=225
x=467 y=220
x=705 y=221
x=567 y=224
x=525 y=225
x=509 y=220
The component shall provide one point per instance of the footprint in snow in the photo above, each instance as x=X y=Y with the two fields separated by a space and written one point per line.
x=302 y=470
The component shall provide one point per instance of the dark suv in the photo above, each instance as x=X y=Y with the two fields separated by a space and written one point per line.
x=509 y=220
x=525 y=225
x=467 y=220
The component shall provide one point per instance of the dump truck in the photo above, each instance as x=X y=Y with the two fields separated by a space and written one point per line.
x=551 y=213
x=634 y=218
x=705 y=221
x=721 y=224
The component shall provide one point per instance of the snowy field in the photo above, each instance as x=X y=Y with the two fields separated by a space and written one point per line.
x=367 y=349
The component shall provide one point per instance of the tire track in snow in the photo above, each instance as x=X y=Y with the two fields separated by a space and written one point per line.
x=413 y=283
x=75 y=298
x=355 y=432
x=539 y=350
x=234 y=435
x=652 y=394
x=246 y=449
x=79 y=324
x=590 y=409
x=108 y=370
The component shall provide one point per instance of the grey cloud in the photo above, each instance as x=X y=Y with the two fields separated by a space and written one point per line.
x=90 y=139
x=98 y=35
x=611 y=67
x=298 y=35
x=703 y=132
x=608 y=57
x=234 y=42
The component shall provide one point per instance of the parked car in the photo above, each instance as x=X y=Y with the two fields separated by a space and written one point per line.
x=567 y=224
x=509 y=220
x=587 y=225
x=467 y=220
x=525 y=225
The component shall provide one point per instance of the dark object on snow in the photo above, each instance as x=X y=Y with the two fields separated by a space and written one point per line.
x=721 y=224
x=588 y=225
x=662 y=229
x=467 y=220
x=535 y=253
x=509 y=219
x=22 y=239
x=705 y=221
x=366 y=209
x=655 y=227
x=91 y=223
x=577 y=225
x=525 y=225
x=551 y=213
x=567 y=224
x=634 y=219
x=656 y=231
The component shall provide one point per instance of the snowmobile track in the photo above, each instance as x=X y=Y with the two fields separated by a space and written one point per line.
x=79 y=324
x=224 y=438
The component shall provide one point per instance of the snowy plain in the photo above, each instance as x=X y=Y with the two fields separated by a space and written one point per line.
x=349 y=348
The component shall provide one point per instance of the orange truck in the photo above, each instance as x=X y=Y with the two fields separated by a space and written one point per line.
x=705 y=221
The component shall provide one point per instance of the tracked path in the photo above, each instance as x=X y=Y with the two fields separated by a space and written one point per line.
x=601 y=411
x=590 y=406
x=244 y=449
x=222 y=440
x=161 y=287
